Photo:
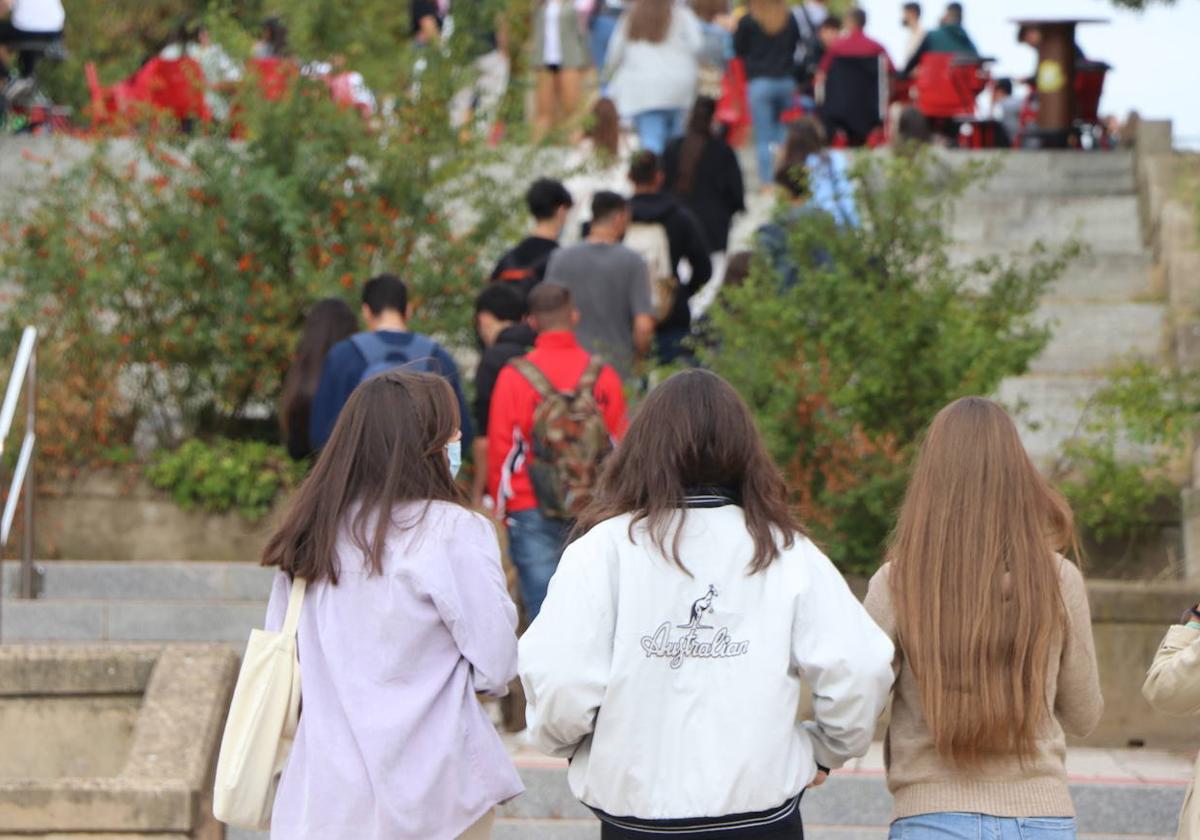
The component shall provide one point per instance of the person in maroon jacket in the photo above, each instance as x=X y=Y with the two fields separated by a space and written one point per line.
x=536 y=540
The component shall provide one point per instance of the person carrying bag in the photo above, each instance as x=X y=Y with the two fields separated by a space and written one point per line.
x=262 y=722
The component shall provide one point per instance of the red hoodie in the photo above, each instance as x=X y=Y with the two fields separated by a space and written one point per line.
x=510 y=424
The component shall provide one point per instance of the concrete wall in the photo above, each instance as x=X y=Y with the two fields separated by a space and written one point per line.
x=107 y=516
x=157 y=780
x=49 y=737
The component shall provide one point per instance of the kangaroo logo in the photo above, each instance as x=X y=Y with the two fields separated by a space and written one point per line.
x=699 y=607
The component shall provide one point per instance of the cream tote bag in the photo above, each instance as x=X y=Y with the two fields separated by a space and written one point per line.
x=262 y=723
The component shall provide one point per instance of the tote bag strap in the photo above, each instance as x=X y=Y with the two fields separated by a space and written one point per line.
x=292 y=620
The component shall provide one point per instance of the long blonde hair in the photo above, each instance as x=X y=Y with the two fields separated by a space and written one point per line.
x=650 y=20
x=771 y=15
x=975 y=582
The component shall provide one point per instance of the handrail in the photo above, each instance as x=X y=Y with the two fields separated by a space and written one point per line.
x=24 y=378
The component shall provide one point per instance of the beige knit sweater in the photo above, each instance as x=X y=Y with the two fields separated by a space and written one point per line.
x=923 y=783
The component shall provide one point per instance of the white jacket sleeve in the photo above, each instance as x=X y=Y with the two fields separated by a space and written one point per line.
x=845 y=658
x=566 y=655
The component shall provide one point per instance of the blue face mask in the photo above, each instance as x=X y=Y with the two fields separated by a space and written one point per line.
x=454 y=454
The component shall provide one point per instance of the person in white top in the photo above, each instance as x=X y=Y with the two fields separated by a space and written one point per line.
x=28 y=20
x=668 y=658
x=653 y=63
x=911 y=21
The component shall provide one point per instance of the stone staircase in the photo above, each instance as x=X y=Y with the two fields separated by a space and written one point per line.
x=136 y=602
x=1103 y=308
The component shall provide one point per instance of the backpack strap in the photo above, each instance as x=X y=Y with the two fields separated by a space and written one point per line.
x=533 y=374
x=373 y=348
x=587 y=382
x=419 y=353
x=420 y=348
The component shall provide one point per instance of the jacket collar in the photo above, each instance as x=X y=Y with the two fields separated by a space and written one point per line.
x=710 y=497
x=556 y=340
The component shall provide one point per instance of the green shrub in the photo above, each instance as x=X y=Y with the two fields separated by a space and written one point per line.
x=170 y=279
x=225 y=475
x=1136 y=432
x=844 y=369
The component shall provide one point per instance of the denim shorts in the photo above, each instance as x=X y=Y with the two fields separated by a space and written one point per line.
x=953 y=826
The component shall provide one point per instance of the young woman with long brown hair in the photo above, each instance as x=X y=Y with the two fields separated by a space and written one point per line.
x=766 y=40
x=667 y=660
x=328 y=322
x=704 y=172
x=654 y=64
x=406 y=616
x=993 y=639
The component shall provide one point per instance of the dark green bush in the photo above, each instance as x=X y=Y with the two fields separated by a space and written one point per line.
x=225 y=475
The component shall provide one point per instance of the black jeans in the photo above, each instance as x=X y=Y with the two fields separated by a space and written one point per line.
x=27 y=60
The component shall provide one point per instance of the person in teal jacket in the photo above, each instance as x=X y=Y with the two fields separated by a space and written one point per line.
x=949 y=37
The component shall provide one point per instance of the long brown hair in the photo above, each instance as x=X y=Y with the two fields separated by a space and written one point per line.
x=328 y=322
x=695 y=141
x=605 y=129
x=387 y=448
x=708 y=10
x=650 y=20
x=975 y=581
x=694 y=431
x=771 y=15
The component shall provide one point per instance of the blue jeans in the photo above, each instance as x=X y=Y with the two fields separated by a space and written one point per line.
x=668 y=345
x=769 y=98
x=656 y=128
x=602 y=29
x=950 y=826
x=535 y=543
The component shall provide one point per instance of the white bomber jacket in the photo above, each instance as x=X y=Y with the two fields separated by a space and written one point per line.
x=677 y=697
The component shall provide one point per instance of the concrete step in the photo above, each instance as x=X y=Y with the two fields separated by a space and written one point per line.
x=1105 y=224
x=129 y=620
x=1048 y=409
x=86 y=579
x=1091 y=277
x=1053 y=173
x=1089 y=338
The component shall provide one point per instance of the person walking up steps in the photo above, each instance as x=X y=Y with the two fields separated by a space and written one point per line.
x=668 y=657
x=994 y=639
x=386 y=344
x=610 y=285
x=556 y=414
x=406 y=617
x=766 y=40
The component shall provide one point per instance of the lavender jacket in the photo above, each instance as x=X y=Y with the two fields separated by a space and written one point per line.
x=393 y=744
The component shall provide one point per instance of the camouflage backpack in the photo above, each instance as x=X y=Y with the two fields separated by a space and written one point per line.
x=570 y=441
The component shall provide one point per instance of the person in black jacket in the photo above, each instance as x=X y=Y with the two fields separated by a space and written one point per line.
x=504 y=333
x=704 y=172
x=686 y=241
x=524 y=265
x=766 y=40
